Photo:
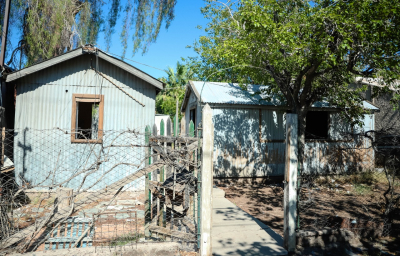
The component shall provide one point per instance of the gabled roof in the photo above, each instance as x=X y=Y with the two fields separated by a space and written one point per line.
x=81 y=51
x=227 y=93
x=233 y=94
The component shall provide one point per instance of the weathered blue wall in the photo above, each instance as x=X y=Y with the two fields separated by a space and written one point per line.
x=238 y=150
x=44 y=102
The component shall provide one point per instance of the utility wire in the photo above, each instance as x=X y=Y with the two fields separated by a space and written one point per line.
x=123 y=58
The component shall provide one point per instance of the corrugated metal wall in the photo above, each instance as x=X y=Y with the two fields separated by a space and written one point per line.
x=240 y=151
x=44 y=101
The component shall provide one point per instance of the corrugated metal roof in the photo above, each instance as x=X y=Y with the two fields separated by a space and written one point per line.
x=231 y=93
x=79 y=52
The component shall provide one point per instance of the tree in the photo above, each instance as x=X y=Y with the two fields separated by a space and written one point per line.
x=174 y=89
x=306 y=51
x=50 y=27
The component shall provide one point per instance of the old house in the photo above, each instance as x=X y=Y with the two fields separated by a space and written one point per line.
x=388 y=118
x=249 y=135
x=67 y=106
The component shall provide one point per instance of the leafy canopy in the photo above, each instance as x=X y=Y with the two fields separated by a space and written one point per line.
x=307 y=51
x=51 y=27
x=174 y=90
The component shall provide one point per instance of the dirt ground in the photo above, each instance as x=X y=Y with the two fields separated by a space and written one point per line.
x=325 y=202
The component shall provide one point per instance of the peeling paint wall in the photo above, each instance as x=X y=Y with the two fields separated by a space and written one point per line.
x=44 y=102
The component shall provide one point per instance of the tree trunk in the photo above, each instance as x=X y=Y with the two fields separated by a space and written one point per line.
x=301 y=115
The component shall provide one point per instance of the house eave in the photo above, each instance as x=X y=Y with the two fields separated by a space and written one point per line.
x=81 y=51
x=189 y=88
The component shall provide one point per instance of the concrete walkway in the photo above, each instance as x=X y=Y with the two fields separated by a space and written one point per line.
x=234 y=232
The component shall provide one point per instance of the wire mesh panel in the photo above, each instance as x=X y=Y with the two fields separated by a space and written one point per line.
x=172 y=191
x=353 y=184
x=122 y=188
x=69 y=232
x=117 y=228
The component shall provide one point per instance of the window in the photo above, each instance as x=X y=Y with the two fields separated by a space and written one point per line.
x=193 y=116
x=317 y=125
x=87 y=118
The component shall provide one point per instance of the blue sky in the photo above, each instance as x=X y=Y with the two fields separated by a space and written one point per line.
x=171 y=44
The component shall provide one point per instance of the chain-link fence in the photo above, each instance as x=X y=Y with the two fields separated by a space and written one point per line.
x=352 y=184
x=121 y=188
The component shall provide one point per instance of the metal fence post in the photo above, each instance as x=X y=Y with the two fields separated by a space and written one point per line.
x=290 y=191
x=147 y=178
x=198 y=171
x=206 y=182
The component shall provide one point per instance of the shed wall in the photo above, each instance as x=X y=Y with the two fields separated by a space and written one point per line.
x=249 y=142
x=44 y=102
x=238 y=151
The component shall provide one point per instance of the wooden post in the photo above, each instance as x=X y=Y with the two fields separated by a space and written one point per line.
x=176 y=127
x=162 y=178
x=206 y=182
x=176 y=121
x=290 y=190
x=192 y=158
x=183 y=127
x=173 y=146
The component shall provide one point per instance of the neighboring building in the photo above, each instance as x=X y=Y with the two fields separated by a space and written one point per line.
x=167 y=123
x=388 y=118
x=249 y=132
x=67 y=94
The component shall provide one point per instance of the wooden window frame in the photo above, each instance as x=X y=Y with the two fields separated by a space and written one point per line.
x=87 y=98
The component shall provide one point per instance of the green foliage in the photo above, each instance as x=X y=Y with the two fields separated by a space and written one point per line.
x=366 y=177
x=362 y=189
x=51 y=27
x=175 y=83
x=306 y=51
